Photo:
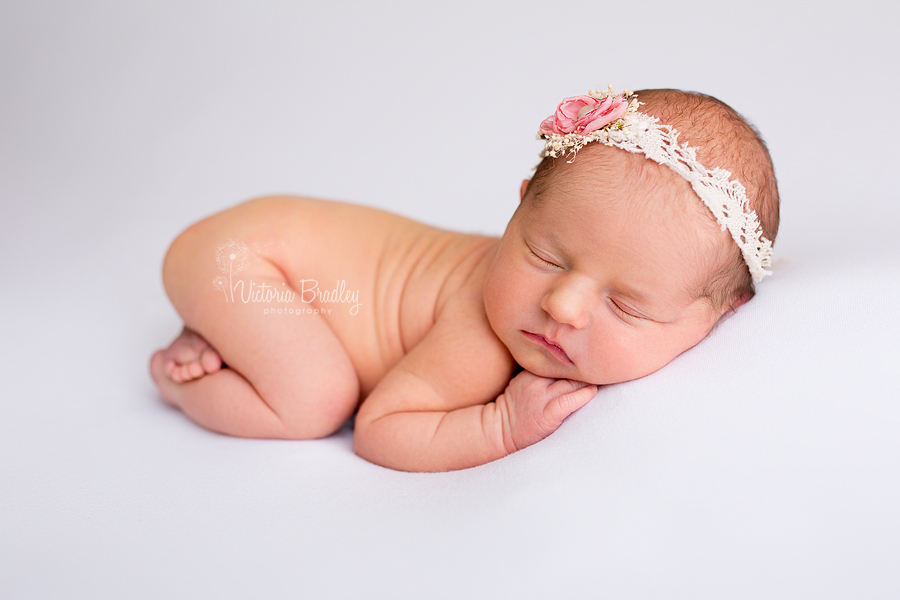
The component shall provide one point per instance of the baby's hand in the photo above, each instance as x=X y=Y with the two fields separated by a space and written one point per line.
x=533 y=407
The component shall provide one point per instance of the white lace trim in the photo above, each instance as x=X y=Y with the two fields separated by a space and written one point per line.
x=639 y=133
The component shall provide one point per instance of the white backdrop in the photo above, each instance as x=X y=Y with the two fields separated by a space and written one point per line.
x=761 y=464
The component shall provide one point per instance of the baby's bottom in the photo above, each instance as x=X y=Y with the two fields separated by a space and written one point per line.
x=293 y=382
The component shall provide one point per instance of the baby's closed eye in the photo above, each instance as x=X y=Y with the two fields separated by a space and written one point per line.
x=542 y=260
x=626 y=315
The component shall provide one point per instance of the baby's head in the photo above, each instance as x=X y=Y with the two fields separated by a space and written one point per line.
x=612 y=265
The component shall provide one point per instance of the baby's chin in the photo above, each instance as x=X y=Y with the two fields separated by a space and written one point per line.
x=596 y=374
x=557 y=372
x=595 y=377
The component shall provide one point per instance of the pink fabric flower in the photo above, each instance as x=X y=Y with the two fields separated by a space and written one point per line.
x=584 y=114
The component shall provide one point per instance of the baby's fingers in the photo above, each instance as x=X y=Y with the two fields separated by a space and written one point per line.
x=562 y=406
x=564 y=386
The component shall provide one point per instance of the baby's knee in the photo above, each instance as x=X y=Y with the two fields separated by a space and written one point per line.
x=324 y=411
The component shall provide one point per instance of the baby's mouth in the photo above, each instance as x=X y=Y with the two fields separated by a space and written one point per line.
x=555 y=350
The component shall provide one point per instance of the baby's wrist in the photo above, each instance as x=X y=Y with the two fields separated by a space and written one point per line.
x=497 y=427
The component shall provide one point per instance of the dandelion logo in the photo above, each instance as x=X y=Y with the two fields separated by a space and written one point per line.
x=232 y=257
x=221 y=284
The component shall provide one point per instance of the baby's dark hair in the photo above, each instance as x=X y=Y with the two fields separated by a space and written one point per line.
x=723 y=138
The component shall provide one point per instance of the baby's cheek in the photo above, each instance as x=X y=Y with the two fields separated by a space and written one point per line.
x=495 y=305
x=614 y=360
x=499 y=290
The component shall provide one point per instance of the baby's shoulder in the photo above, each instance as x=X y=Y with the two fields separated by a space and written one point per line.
x=470 y=347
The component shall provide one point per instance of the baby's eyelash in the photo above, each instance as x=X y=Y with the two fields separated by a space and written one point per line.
x=622 y=311
x=546 y=262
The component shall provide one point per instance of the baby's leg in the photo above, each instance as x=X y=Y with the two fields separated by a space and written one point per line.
x=287 y=376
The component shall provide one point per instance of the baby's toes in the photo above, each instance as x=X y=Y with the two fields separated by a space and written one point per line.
x=176 y=372
x=194 y=370
x=182 y=373
x=171 y=368
x=210 y=361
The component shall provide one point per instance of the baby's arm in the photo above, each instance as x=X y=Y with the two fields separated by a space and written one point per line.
x=437 y=410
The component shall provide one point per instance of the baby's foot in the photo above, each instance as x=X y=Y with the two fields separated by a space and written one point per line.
x=190 y=357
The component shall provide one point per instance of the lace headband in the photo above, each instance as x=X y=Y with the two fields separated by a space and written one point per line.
x=614 y=120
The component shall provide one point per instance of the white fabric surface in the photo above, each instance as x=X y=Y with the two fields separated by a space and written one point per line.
x=762 y=464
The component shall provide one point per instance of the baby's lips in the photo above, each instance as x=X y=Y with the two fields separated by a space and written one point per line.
x=557 y=347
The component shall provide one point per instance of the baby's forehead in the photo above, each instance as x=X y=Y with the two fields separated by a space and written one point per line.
x=605 y=174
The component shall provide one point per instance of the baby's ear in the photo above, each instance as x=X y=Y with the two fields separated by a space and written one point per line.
x=524 y=189
x=729 y=312
x=742 y=300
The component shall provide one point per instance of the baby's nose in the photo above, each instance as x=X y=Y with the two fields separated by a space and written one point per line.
x=567 y=304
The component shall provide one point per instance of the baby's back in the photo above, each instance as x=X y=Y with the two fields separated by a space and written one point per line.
x=378 y=280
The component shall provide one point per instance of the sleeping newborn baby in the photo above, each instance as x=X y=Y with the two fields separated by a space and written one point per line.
x=455 y=349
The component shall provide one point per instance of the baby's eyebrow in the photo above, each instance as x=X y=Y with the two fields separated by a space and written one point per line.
x=555 y=241
x=637 y=295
